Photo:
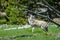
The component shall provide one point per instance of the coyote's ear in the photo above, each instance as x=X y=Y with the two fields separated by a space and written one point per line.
x=28 y=14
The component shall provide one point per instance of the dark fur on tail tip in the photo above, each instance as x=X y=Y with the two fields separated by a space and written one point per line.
x=46 y=29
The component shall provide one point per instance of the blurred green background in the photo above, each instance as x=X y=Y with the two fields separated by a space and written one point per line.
x=14 y=10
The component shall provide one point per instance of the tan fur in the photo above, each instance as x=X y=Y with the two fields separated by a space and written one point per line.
x=34 y=22
x=39 y=23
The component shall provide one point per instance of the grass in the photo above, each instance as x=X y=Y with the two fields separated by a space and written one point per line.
x=37 y=35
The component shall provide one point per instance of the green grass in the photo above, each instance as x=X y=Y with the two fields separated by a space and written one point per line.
x=37 y=35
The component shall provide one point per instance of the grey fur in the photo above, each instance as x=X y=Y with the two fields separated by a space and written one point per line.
x=32 y=21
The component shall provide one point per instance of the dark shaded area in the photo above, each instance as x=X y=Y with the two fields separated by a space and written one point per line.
x=53 y=9
x=7 y=19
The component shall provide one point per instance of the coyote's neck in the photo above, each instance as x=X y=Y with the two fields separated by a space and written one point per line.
x=31 y=19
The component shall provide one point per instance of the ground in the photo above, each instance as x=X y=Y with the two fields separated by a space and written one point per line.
x=26 y=34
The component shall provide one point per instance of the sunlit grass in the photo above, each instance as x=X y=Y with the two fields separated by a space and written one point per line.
x=37 y=35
